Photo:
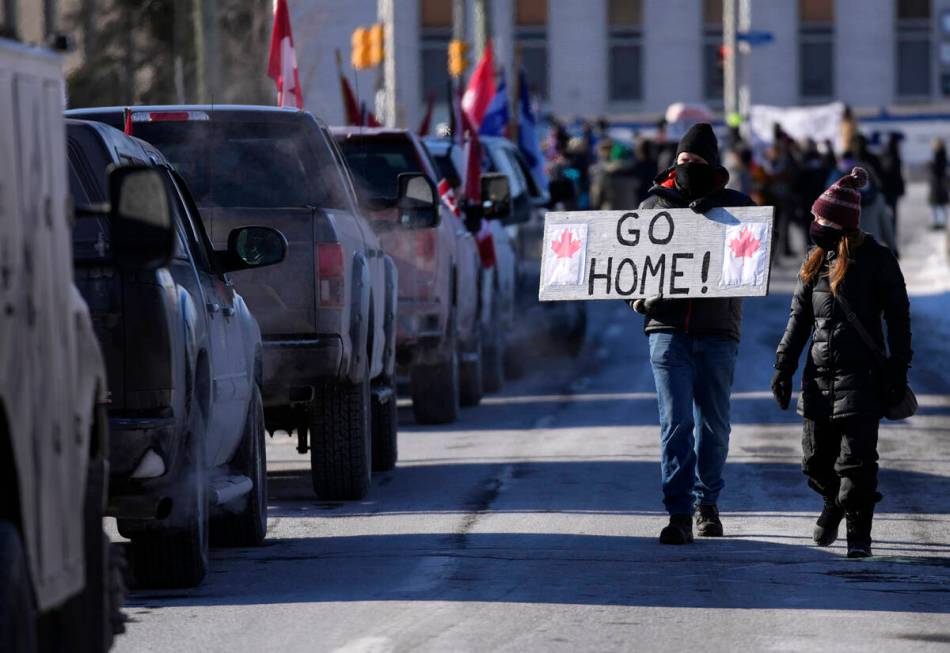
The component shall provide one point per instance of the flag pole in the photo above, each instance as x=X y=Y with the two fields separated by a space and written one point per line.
x=513 y=134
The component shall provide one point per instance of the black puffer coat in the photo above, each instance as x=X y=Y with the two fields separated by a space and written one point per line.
x=701 y=317
x=842 y=377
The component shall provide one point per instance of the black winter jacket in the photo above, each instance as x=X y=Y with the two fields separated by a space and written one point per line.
x=701 y=317
x=842 y=377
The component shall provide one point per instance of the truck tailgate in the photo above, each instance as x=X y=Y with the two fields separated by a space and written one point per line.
x=282 y=296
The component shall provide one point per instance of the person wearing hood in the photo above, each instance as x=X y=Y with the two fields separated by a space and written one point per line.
x=848 y=279
x=876 y=217
x=693 y=348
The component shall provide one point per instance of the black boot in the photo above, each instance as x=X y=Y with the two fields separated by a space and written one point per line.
x=859 y=533
x=826 y=528
x=679 y=530
x=707 y=521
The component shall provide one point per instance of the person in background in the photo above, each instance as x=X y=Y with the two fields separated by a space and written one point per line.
x=644 y=168
x=693 y=348
x=612 y=186
x=849 y=127
x=876 y=217
x=892 y=176
x=938 y=196
x=664 y=151
x=812 y=173
x=842 y=392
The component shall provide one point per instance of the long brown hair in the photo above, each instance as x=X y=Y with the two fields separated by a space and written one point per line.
x=812 y=265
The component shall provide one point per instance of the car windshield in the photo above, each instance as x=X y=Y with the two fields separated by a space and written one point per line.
x=376 y=162
x=250 y=163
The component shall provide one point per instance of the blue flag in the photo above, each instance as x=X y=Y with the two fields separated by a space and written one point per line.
x=528 y=133
x=495 y=121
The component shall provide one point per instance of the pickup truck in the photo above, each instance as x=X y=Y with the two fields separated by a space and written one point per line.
x=328 y=313
x=438 y=339
x=183 y=358
x=498 y=314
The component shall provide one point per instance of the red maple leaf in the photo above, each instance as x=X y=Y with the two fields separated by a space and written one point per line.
x=566 y=246
x=745 y=244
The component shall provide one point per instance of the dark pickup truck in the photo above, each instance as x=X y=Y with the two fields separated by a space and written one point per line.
x=183 y=361
x=328 y=313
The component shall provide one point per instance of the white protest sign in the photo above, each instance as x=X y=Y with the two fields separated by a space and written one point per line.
x=725 y=252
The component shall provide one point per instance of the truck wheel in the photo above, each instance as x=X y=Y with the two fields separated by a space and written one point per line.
x=385 y=428
x=248 y=526
x=341 y=442
x=493 y=368
x=470 y=377
x=17 y=614
x=435 y=392
x=93 y=617
x=178 y=559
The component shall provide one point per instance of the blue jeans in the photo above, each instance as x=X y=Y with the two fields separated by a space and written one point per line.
x=693 y=376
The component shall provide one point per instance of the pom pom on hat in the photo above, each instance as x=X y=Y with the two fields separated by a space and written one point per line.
x=857 y=180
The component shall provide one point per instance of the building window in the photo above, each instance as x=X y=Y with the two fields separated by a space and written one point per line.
x=625 y=34
x=436 y=32
x=816 y=49
x=914 y=50
x=531 y=20
x=712 y=51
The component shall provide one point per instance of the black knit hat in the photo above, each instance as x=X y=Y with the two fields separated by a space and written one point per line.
x=700 y=140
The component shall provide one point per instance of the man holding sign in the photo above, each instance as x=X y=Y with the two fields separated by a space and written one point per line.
x=693 y=346
x=683 y=259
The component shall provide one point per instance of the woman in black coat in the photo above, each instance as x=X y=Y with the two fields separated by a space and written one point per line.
x=843 y=390
x=938 y=196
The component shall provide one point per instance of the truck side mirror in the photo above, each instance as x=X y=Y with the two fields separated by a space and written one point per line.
x=140 y=212
x=417 y=201
x=496 y=196
x=250 y=248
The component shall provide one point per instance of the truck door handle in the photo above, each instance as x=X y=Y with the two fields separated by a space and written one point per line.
x=213 y=308
x=228 y=311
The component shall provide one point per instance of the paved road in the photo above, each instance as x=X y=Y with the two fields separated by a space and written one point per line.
x=531 y=524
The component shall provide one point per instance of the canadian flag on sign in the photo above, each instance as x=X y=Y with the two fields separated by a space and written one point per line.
x=743 y=258
x=565 y=255
x=282 y=62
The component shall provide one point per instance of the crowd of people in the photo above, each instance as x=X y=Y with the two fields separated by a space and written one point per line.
x=610 y=174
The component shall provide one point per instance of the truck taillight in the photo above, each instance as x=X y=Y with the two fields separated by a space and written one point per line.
x=330 y=275
x=168 y=116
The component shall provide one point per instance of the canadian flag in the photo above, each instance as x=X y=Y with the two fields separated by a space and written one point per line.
x=743 y=259
x=282 y=62
x=565 y=255
x=448 y=197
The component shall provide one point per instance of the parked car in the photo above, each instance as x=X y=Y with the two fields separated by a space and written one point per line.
x=61 y=579
x=328 y=313
x=183 y=355
x=565 y=322
x=498 y=314
x=438 y=339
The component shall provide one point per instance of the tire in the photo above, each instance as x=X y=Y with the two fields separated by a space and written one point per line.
x=178 y=559
x=470 y=379
x=94 y=607
x=17 y=612
x=341 y=442
x=435 y=392
x=493 y=364
x=248 y=526
x=385 y=429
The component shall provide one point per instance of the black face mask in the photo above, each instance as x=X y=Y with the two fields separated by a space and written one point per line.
x=826 y=238
x=695 y=179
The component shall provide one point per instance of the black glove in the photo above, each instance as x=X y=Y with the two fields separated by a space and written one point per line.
x=782 y=388
x=646 y=306
x=896 y=381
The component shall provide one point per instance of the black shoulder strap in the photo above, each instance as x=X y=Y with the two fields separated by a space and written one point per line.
x=865 y=336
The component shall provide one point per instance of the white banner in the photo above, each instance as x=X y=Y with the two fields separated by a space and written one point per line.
x=819 y=123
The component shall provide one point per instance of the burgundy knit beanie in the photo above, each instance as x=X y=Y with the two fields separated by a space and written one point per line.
x=841 y=203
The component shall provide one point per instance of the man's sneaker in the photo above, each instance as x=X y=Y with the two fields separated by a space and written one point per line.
x=859 y=533
x=826 y=528
x=707 y=521
x=678 y=531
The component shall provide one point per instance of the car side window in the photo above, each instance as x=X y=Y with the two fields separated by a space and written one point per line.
x=198 y=242
x=349 y=188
